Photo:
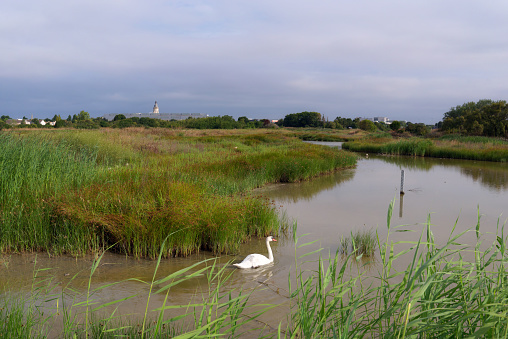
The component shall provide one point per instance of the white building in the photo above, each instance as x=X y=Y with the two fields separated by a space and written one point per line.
x=384 y=120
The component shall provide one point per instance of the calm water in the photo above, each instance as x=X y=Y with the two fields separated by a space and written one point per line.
x=326 y=208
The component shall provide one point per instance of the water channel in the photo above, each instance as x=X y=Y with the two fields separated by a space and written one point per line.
x=447 y=191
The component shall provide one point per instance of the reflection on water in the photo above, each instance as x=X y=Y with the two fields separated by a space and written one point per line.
x=493 y=175
x=298 y=191
x=401 y=206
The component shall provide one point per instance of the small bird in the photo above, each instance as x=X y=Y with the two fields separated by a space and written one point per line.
x=256 y=260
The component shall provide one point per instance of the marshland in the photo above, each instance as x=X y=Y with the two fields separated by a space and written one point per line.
x=122 y=232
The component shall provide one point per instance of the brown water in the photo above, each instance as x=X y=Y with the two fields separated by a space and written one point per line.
x=449 y=191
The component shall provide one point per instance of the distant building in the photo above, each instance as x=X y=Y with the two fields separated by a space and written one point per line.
x=43 y=123
x=384 y=120
x=14 y=122
x=156 y=115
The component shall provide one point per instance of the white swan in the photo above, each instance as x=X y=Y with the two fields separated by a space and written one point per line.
x=256 y=260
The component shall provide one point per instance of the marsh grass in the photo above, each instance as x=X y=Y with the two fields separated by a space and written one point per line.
x=323 y=134
x=471 y=148
x=360 y=243
x=69 y=191
x=473 y=139
x=33 y=171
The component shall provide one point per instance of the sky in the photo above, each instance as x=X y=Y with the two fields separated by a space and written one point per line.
x=263 y=59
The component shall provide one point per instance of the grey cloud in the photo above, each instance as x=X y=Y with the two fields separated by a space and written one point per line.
x=266 y=58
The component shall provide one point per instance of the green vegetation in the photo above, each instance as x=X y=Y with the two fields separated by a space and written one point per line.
x=68 y=191
x=473 y=139
x=324 y=134
x=440 y=294
x=360 y=243
x=485 y=117
x=33 y=171
x=341 y=123
x=303 y=119
x=83 y=120
x=367 y=125
x=472 y=148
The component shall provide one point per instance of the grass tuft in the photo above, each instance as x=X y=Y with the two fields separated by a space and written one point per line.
x=360 y=243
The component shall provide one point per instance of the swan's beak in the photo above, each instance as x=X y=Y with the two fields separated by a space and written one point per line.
x=273 y=239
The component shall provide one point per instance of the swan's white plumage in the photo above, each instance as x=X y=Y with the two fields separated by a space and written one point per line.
x=256 y=260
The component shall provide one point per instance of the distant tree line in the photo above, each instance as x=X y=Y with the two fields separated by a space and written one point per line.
x=315 y=119
x=485 y=118
x=302 y=119
x=84 y=121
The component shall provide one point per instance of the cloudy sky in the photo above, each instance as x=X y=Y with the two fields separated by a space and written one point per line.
x=407 y=60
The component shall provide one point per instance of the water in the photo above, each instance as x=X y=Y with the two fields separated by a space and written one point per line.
x=448 y=192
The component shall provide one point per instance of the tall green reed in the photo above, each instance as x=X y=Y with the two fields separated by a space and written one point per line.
x=33 y=171
x=439 y=294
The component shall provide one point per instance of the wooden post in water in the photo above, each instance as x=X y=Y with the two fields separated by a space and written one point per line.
x=402 y=182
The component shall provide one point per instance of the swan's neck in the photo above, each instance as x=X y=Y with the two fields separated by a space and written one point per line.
x=270 y=254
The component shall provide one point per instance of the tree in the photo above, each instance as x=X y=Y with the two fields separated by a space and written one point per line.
x=149 y=122
x=35 y=122
x=382 y=126
x=4 y=125
x=244 y=120
x=303 y=119
x=5 y=117
x=347 y=122
x=103 y=122
x=395 y=125
x=62 y=123
x=367 y=125
x=330 y=124
x=82 y=116
x=495 y=119
x=265 y=122
x=119 y=117
x=417 y=129
x=476 y=128
x=484 y=117
x=124 y=123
